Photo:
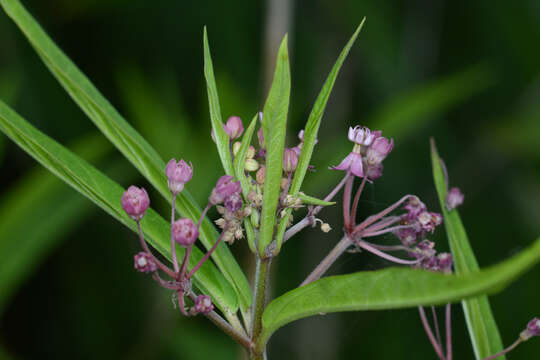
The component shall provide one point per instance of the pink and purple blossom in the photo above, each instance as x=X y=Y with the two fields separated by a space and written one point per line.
x=135 y=202
x=184 y=232
x=178 y=174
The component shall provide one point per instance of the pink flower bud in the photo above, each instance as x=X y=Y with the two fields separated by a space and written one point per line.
x=203 y=304
x=178 y=174
x=184 y=232
x=379 y=150
x=290 y=160
x=234 y=127
x=225 y=187
x=533 y=329
x=135 y=201
x=143 y=262
x=233 y=203
x=454 y=198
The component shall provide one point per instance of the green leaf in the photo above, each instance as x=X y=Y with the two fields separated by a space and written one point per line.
x=126 y=139
x=32 y=198
x=312 y=129
x=481 y=324
x=392 y=288
x=222 y=139
x=90 y=182
x=239 y=165
x=310 y=200
x=274 y=128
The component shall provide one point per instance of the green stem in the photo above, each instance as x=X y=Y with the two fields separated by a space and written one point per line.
x=261 y=283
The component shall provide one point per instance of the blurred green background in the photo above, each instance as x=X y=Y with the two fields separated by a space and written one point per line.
x=466 y=73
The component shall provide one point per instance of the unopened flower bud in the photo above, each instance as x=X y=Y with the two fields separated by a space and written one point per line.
x=445 y=262
x=236 y=147
x=143 y=262
x=178 y=174
x=251 y=165
x=290 y=160
x=184 y=232
x=228 y=237
x=234 y=127
x=247 y=211
x=225 y=186
x=203 y=304
x=250 y=152
x=454 y=198
x=325 y=227
x=135 y=201
x=379 y=150
x=283 y=183
x=261 y=173
x=533 y=329
x=233 y=203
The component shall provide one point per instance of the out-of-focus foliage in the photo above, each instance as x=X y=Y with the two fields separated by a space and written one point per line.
x=147 y=59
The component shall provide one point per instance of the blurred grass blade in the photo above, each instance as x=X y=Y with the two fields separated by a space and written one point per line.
x=274 y=127
x=132 y=145
x=90 y=182
x=310 y=200
x=312 y=129
x=412 y=109
x=31 y=199
x=392 y=288
x=222 y=139
x=483 y=330
x=239 y=165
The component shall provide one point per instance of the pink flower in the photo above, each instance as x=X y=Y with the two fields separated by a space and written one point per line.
x=135 y=201
x=143 y=262
x=203 y=304
x=533 y=329
x=454 y=198
x=184 y=232
x=178 y=174
x=379 y=150
x=225 y=187
x=234 y=127
x=352 y=163
x=362 y=135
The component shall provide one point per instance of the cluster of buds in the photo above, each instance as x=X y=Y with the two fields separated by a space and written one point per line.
x=228 y=192
x=428 y=258
x=184 y=231
x=418 y=222
x=369 y=150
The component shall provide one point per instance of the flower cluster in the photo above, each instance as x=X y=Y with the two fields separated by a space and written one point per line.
x=369 y=150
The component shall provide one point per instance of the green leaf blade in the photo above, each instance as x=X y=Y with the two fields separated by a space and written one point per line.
x=87 y=180
x=274 y=128
x=392 y=288
x=125 y=138
x=222 y=139
x=485 y=336
x=311 y=130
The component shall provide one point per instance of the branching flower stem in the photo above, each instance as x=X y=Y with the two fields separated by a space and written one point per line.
x=205 y=257
x=309 y=219
x=162 y=266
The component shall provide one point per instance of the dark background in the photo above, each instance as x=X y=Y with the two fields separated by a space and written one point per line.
x=466 y=73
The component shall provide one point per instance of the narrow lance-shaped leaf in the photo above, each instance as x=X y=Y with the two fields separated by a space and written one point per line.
x=239 y=170
x=481 y=323
x=274 y=127
x=310 y=200
x=90 y=182
x=392 y=288
x=124 y=137
x=221 y=137
x=312 y=129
